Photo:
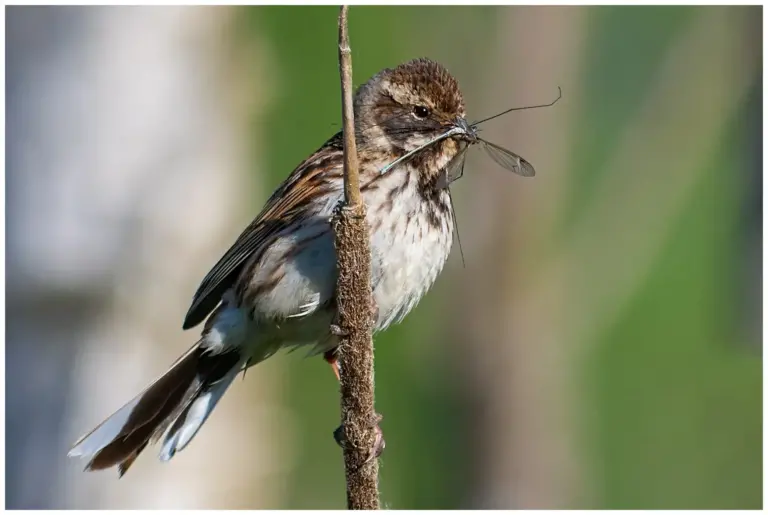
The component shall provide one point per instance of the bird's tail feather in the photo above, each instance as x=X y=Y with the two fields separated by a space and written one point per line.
x=181 y=399
x=195 y=412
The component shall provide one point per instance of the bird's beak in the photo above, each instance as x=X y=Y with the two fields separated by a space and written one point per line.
x=468 y=131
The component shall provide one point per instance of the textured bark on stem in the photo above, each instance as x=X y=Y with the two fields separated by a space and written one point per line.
x=353 y=295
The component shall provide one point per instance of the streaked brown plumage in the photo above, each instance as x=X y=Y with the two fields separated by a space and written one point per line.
x=274 y=287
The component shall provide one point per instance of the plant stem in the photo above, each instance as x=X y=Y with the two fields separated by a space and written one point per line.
x=353 y=297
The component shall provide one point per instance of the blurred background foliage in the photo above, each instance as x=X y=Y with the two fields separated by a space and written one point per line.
x=663 y=392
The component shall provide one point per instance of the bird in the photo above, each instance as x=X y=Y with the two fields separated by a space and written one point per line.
x=274 y=288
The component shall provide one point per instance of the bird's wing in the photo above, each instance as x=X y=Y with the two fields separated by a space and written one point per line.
x=286 y=205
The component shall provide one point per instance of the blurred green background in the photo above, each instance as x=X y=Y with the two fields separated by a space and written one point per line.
x=602 y=347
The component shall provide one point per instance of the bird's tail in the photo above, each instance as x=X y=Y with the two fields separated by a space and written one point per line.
x=177 y=404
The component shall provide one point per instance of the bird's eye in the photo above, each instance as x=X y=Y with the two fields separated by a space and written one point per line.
x=420 y=112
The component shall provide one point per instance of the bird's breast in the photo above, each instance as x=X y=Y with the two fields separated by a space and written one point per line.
x=411 y=237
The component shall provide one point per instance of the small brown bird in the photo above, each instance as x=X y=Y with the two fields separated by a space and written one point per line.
x=274 y=288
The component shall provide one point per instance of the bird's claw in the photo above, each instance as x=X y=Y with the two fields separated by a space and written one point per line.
x=378 y=442
x=337 y=330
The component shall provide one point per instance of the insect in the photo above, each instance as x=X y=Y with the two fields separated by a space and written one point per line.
x=503 y=157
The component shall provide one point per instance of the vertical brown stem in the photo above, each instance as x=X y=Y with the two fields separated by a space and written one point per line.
x=351 y=172
x=353 y=294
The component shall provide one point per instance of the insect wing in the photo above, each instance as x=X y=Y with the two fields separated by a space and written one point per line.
x=508 y=159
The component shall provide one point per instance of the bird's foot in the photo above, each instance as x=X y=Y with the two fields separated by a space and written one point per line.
x=378 y=442
x=337 y=330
